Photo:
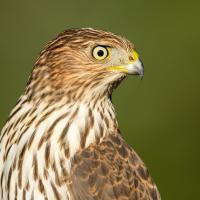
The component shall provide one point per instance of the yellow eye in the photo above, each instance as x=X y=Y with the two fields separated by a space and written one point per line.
x=100 y=52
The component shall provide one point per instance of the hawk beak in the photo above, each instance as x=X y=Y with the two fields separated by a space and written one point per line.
x=135 y=68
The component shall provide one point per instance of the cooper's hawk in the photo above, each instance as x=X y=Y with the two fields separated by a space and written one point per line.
x=62 y=139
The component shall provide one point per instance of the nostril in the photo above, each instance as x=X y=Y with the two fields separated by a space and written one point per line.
x=131 y=58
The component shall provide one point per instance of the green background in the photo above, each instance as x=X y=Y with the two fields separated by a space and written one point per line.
x=160 y=115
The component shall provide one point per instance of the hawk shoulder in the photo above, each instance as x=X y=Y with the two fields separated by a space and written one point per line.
x=111 y=170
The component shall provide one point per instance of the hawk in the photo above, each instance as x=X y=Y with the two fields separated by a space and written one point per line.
x=62 y=140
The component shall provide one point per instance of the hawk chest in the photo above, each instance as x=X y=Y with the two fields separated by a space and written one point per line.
x=38 y=146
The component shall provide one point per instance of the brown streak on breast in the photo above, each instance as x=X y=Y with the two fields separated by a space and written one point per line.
x=18 y=140
x=24 y=195
x=27 y=185
x=45 y=174
x=16 y=191
x=35 y=167
x=44 y=116
x=41 y=187
x=50 y=130
x=65 y=130
x=65 y=176
x=20 y=165
x=2 y=184
x=85 y=134
x=55 y=191
x=30 y=141
x=31 y=121
x=57 y=177
x=13 y=114
x=9 y=179
x=47 y=154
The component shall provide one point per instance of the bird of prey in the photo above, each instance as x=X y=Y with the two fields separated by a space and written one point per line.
x=62 y=140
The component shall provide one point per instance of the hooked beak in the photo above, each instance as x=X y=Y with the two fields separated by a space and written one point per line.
x=134 y=67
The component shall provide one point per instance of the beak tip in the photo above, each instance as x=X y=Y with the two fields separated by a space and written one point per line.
x=141 y=76
x=137 y=68
x=141 y=73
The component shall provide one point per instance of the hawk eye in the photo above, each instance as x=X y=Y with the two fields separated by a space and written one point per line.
x=100 y=52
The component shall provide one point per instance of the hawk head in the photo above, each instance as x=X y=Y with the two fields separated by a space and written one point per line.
x=82 y=63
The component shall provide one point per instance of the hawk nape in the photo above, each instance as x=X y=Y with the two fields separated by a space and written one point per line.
x=62 y=139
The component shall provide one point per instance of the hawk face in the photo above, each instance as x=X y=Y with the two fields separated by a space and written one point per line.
x=84 y=61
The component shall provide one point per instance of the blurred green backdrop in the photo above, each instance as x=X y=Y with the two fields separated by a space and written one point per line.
x=158 y=116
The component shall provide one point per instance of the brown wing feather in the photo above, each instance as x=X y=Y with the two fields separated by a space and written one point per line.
x=111 y=170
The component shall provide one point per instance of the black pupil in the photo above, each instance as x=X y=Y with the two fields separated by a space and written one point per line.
x=100 y=53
